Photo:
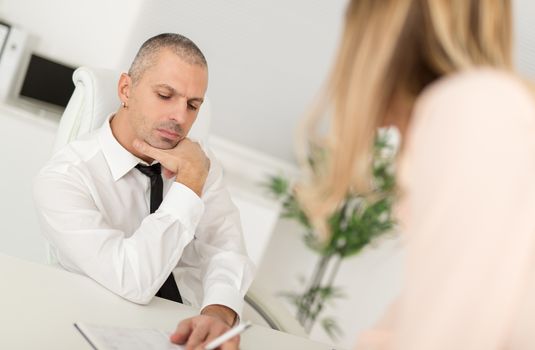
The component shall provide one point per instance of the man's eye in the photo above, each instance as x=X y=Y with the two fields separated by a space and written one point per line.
x=192 y=107
x=164 y=97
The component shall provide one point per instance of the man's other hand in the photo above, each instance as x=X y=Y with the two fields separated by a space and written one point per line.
x=196 y=332
x=187 y=162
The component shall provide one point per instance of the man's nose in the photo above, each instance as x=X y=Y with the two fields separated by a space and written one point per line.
x=179 y=112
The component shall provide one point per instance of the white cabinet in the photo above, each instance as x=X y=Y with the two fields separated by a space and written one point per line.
x=25 y=145
x=258 y=217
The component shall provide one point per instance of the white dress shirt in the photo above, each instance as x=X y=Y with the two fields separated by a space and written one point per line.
x=94 y=210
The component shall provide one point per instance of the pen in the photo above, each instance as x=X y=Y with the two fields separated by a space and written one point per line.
x=227 y=335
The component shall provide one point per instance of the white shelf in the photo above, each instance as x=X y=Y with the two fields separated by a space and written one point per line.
x=28 y=113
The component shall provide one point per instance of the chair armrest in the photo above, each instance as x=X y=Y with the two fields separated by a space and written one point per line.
x=273 y=312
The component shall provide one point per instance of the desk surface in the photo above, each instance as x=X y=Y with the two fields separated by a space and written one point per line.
x=40 y=303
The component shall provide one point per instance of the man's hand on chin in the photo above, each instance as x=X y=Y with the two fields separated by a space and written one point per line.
x=196 y=332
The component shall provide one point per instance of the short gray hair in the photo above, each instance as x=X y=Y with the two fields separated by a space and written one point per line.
x=179 y=44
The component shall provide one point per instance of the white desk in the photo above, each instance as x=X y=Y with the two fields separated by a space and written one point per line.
x=39 y=303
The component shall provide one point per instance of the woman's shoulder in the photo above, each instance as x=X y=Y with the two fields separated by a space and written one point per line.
x=477 y=94
x=479 y=85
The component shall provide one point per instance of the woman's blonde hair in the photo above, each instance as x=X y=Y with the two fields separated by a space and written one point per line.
x=393 y=48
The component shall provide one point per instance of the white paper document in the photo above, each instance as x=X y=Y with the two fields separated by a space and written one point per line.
x=114 y=338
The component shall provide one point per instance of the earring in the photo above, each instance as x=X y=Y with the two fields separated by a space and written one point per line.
x=123 y=104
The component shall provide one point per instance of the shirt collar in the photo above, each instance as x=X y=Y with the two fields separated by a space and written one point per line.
x=119 y=159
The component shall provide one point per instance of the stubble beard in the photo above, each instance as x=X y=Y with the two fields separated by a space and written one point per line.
x=161 y=142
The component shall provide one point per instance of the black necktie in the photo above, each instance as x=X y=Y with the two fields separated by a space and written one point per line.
x=169 y=289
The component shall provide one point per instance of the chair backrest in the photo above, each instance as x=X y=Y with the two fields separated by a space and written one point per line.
x=95 y=97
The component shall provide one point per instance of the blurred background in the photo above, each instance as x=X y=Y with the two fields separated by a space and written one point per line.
x=267 y=62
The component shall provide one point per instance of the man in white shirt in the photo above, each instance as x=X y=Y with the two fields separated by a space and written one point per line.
x=95 y=202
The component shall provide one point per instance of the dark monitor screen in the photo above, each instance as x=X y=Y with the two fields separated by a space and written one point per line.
x=48 y=81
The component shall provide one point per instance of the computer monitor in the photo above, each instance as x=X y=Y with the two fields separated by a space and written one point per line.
x=47 y=81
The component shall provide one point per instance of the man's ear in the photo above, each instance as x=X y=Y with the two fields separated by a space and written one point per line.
x=123 y=88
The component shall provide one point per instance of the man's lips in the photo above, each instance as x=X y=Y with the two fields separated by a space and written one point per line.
x=168 y=133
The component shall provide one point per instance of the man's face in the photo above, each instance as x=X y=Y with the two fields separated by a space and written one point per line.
x=164 y=102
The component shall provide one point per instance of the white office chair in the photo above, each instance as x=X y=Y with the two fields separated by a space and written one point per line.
x=93 y=99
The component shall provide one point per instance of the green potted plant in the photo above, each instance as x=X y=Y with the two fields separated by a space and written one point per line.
x=358 y=221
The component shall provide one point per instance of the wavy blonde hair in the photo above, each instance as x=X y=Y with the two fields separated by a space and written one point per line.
x=393 y=48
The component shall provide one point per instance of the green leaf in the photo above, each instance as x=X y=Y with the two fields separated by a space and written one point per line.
x=330 y=325
x=277 y=185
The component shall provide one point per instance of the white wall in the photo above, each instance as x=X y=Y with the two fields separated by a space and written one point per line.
x=524 y=13
x=75 y=32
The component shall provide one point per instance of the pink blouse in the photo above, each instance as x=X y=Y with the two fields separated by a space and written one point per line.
x=467 y=173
